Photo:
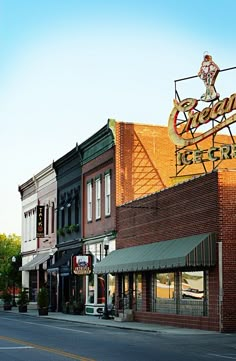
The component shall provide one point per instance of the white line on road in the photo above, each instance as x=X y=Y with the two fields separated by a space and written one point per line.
x=58 y=328
x=50 y=326
x=233 y=357
x=14 y=347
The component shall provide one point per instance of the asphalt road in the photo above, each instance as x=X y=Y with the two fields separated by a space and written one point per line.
x=37 y=339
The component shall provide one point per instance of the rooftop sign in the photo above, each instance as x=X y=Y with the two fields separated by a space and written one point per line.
x=193 y=120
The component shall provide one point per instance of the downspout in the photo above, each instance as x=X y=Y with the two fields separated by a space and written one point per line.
x=221 y=291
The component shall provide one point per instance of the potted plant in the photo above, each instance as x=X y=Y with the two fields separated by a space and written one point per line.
x=42 y=301
x=78 y=308
x=68 y=229
x=74 y=228
x=7 y=299
x=61 y=232
x=23 y=300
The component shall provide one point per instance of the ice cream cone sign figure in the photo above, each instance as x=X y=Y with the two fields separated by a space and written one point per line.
x=208 y=73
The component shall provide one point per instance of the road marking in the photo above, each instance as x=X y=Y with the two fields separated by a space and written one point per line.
x=59 y=328
x=50 y=326
x=15 y=347
x=222 y=356
x=47 y=349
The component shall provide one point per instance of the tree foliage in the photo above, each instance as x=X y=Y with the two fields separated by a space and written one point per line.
x=10 y=245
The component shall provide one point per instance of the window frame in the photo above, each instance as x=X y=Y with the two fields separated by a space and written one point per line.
x=98 y=198
x=107 y=193
x=89 y=201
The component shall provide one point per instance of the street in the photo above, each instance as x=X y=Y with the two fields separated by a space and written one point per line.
x=36 y=339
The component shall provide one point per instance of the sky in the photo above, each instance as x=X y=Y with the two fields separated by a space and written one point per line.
x=66 y=66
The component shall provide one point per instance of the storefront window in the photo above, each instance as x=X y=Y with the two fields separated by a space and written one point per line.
x=180 y=293
x=165 y=285
x=138 y=291
x=193 y=285
x=96 y=283
x=101 y=289
x=164 y=293
x=193 y=293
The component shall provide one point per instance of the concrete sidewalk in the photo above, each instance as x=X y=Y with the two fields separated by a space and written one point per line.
x=96 y=321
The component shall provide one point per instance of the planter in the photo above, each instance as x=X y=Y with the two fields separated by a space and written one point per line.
x=43 y=311
x=7 y=307
x=22 y=308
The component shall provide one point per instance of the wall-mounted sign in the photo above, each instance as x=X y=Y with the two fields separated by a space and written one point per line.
x=40 y=222
x=82 y=264
x=191 y=121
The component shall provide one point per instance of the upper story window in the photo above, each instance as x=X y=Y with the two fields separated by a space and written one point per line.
x=108 y=193
x=98 y=198
x=89 y=201
x=53 y=217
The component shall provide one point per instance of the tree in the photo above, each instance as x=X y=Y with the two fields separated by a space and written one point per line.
x=10 y=245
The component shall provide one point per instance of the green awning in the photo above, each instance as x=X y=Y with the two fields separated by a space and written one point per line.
x=194 y=251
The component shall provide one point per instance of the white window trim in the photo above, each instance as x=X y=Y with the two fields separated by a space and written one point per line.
x=108 y=194
x=98 y=198
x=89 y=201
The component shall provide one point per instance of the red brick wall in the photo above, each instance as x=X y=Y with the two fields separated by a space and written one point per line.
x=187 y=209
x=202 y=205
x=90 y=171
x=227 y=234
x=145 y=160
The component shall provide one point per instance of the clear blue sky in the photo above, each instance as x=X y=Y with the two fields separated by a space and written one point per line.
x=66 y=66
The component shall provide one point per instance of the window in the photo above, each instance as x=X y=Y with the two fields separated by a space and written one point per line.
x=76 y=209
x=89 y=201
x=52 y=217
x=98 y=198
x=69 y=214
x=183 y=293
x=107 y=194
x=62 y=217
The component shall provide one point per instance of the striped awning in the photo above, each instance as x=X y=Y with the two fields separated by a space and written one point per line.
x=36 y=261
x=193 y=251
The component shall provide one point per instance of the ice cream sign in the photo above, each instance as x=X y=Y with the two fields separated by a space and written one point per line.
x=192 y=129
x=82 y=264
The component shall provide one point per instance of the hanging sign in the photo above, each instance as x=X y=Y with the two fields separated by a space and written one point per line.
x=40 y=222
x=82 y=264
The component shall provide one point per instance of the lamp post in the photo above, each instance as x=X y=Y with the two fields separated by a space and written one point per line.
x=105 y=312
x=50 y=282
x=14 y=284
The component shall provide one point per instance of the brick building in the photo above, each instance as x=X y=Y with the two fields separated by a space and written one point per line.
x=175 y=257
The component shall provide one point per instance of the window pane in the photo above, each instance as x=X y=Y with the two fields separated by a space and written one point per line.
x=98 y=198
x=193 y=285
x=193 y=301
x=89 y=201
x=107 y=195
x=164 y=293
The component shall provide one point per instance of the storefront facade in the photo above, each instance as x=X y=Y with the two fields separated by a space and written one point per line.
x=179 y=267
x=68 y=176
x=38 y=230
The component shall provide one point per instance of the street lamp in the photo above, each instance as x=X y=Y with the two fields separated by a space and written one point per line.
x=105 y=312
x=14 y=285
x=50 y=282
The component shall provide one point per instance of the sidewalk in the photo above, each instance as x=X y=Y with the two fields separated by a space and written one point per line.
x=95 y=320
